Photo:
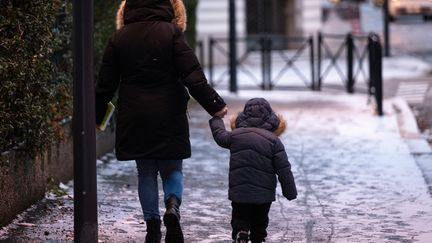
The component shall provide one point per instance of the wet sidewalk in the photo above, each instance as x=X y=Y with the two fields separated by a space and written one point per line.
x=357 y=181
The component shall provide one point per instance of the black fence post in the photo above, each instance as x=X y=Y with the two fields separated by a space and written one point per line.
x=312 y=61
x=350 y=63
x=319 y=64
x=375 y=71
x=232 y=46
x=200 y=46
x=262 y=42
x=268 y=45
x=266 y=62
x=83 y=124
x=371 y=65
x=210 y=60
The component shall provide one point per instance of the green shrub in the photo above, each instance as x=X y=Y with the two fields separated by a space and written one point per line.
x=104 y=25
x=36 y=67
x=191 y=7
x=34 y=72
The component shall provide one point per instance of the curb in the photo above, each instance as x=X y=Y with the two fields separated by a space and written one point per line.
x=408 y=127
x=406 y=120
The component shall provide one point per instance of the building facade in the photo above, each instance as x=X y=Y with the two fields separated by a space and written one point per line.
x=254 y=17
x=290 y=18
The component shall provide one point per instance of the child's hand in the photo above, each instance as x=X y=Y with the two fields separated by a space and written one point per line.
x=222 y=113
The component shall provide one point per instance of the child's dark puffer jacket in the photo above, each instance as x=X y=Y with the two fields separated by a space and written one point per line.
x=257 y=155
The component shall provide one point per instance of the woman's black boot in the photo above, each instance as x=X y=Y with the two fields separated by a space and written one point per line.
x=171 y=220
x=153 y=231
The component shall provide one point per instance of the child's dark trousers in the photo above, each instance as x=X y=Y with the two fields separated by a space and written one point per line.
x=250 y=217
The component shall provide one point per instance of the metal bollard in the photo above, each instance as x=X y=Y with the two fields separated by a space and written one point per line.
x=375 y=70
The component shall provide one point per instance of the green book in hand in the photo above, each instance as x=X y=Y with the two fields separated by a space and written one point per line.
x=108 y=114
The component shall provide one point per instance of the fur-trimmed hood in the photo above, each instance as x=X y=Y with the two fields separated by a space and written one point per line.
x=258 y=113
x=130 y=10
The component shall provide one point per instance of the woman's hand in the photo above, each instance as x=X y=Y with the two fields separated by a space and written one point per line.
x=222 y=112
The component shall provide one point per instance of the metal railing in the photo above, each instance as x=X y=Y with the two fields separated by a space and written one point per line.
x=220 y=44
x=358 y=49
x=290 y=61
x=260 y=51
x=354 y=47
x=351 y=58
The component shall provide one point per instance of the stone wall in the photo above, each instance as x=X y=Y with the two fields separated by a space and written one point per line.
x=23 y=179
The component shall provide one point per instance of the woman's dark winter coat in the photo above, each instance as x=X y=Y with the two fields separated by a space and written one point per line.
x=257 y=155
x=150 y=63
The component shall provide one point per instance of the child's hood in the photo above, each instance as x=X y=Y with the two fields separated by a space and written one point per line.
x=258 y=113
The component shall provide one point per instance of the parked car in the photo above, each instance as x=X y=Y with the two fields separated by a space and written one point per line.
x=410 y=7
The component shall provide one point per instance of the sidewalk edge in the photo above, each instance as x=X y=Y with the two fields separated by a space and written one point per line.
x=407 y=123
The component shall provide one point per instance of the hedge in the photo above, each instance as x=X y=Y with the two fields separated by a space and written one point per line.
x=104 y=25
x=191 y=7
x=36 y=67
x=35 y=73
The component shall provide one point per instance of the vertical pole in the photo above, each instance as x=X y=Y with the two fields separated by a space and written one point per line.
x=263 y=61
x=201 y=53
x=261 y=17
x=210 y=61
x=350 y=63
x=312 y=62
x=268 y=45
x=386 y=28
x=232 y=46
x=371 y=65
x=84 y=130
x=266 y=62
x=379 y=78
x=319 y=78
x=375 y=65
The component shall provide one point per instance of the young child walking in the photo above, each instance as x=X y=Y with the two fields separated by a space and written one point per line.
x=256 y=156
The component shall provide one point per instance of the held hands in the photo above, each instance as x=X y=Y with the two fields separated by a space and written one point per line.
x=222 y=112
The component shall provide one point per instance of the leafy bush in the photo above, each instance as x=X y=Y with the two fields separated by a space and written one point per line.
x=35 y=72
x=191 y=7
x=104 y=25
x=36 y=67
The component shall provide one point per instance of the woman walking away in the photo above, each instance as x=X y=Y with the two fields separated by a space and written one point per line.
x=257 y=156
x=148 y=60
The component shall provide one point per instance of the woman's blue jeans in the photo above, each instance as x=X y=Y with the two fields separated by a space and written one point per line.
x=172 y=183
